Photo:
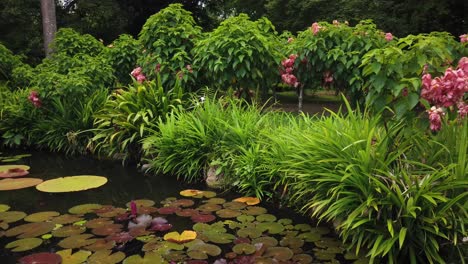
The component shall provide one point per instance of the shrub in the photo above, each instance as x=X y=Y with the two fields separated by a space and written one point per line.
x=130 y=114
x=240 y=53
x=71 y=43
x=168 y=38
x=8 y=62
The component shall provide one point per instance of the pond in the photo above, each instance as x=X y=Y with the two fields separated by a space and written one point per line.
x=108 y=230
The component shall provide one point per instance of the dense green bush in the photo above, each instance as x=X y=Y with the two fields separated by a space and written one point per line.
x=168 y=38
x=130 y=114
x=8 y=61
x=240 y=53
x=71 y=43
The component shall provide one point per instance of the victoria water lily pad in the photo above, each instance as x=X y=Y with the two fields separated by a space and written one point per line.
x=248 y=200
x=279 y=253
x=24 y=244
x=244 y=248
x=21 y=183
x=5 y=168
x=175 y=237
x=202 y=251
x=148 y=258
x=77 y=241
x=106 y=257
x=41 y=258
x=75 y=258
x=72 y=184
x=11 y=216
x=4 y=207
x=11 y=173
x=30 y=230
x=41 y=216
x=84 y=209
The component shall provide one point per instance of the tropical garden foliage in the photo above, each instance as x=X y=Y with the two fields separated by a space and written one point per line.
x=390 y=171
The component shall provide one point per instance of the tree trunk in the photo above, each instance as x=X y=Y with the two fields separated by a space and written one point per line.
x=300 y=98
x=49 y=24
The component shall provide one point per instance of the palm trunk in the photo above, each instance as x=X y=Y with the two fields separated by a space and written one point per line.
x=49 y=24
x=300 y=98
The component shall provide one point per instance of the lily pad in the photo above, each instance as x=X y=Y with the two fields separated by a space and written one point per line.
x=248 y=200
x=11 y=173
x=4 y=207
x=161 y=246
x=149 y=258
x=215 y=200
x=324 y=255
x=77 y=241
x=203 y=218
x=255 y=210
x=11 y=216
x=249 y=232
x=30 y=230
x=266 y=241
x=72 y=184
x=303 y=227
x=187 y=212
x=245 y=218
x=182 y=203
x=219 y=238
x=167 y=210
x=106 y=257
x=109 y=211
x=271 y=227
x=146 y=210
x=107 y=229
x=142 y=202
x=4 y=168
x=302 y=259
x=41 y=258
x=209 y=207
x=98 y=222
x=84 y=209
x=310 y=237
x=228 y=213
x=292 y=242
x=66 y=219
x=197 y=193
x=41 y=216
x=203 y=251
x=76 y=258
x=244 y=248
x=100 y=244
x=327 y=243
x=279 y=253
x=70 y=230
x=24 y=244
x=285 y=221
x=21 y=183
x=267 y=218
x=234 y=205
x=175 y=237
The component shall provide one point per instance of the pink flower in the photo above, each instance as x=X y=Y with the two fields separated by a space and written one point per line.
x=34 y=99
x=315 y=28
x=435 y=117
x=464 y=38
x=287 y=63
x=137 y=71
x=189 y=68
x=327 y=77
x=133 y=208
x=141 y=78
x=463 y=65
x=290 y=40
x=388 y=36
x=462 y=110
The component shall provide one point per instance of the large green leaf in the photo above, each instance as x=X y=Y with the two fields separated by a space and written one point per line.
x=72 y=183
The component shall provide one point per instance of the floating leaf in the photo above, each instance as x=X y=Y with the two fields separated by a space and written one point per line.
x=175 y=237
x=11 y=216
x=197 y=193
x=72 y=184
x=182 y=203
x=279 y=253
x=107 y=229
x=324 y=255
x=303 y=227
x=77 y=241
x=106 y=257
x=245 y=218
x=266 y=218
x=235 y=205
x=41 y=258
x=210 y=207
x=5 y=168
x=266 y=241
x=11 y=173
x=187 y=212
x=41 y=216
x=310 y=237
x=249 y=232
x=109 y=211
x=21 y=183
x=139 y=231
x=168 y=210
x=84 y=209
x=121 y=237
x=262 y=260
x=98 y=222
x=248 y=200
x=244 y=248
x=70 y=230
x=24 y=244
x=202 y=251
x=215 y=201
x=219 y=238
x=285 y=221
x=320 y=230
x=254 y=210
x=4 y=208
x=175 y=256
x=271 y=227
x=163 y=246
x=76 y=258
x=203 y=218
x=302 y=259
x=30 y=230
x=292 y=242
x=66 y=219
x=142 y=202
x=149 y=258
x=240 y=240
x=100 y=244
x=228 y=213
x=146 y=210
x=326 y=243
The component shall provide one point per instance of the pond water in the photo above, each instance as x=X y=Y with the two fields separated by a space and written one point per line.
x=242 y=222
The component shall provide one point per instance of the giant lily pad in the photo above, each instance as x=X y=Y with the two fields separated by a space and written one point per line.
x=24 y=244
x=70 y=230
x=30 y=230
x=77 y=241
x=11 y=216
x=4 y=207
x=248 y=200
x=84 y=209
x=244 y=248
x=41 y=258
x=106 y=257
x=202 y=251
x=4 y=168
x=14 y=184
x=279 y=253
x=175 y=237
x=76 y=258
x=72 y=183
x=149 y=258
x=41 y=216
x=11 y=173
